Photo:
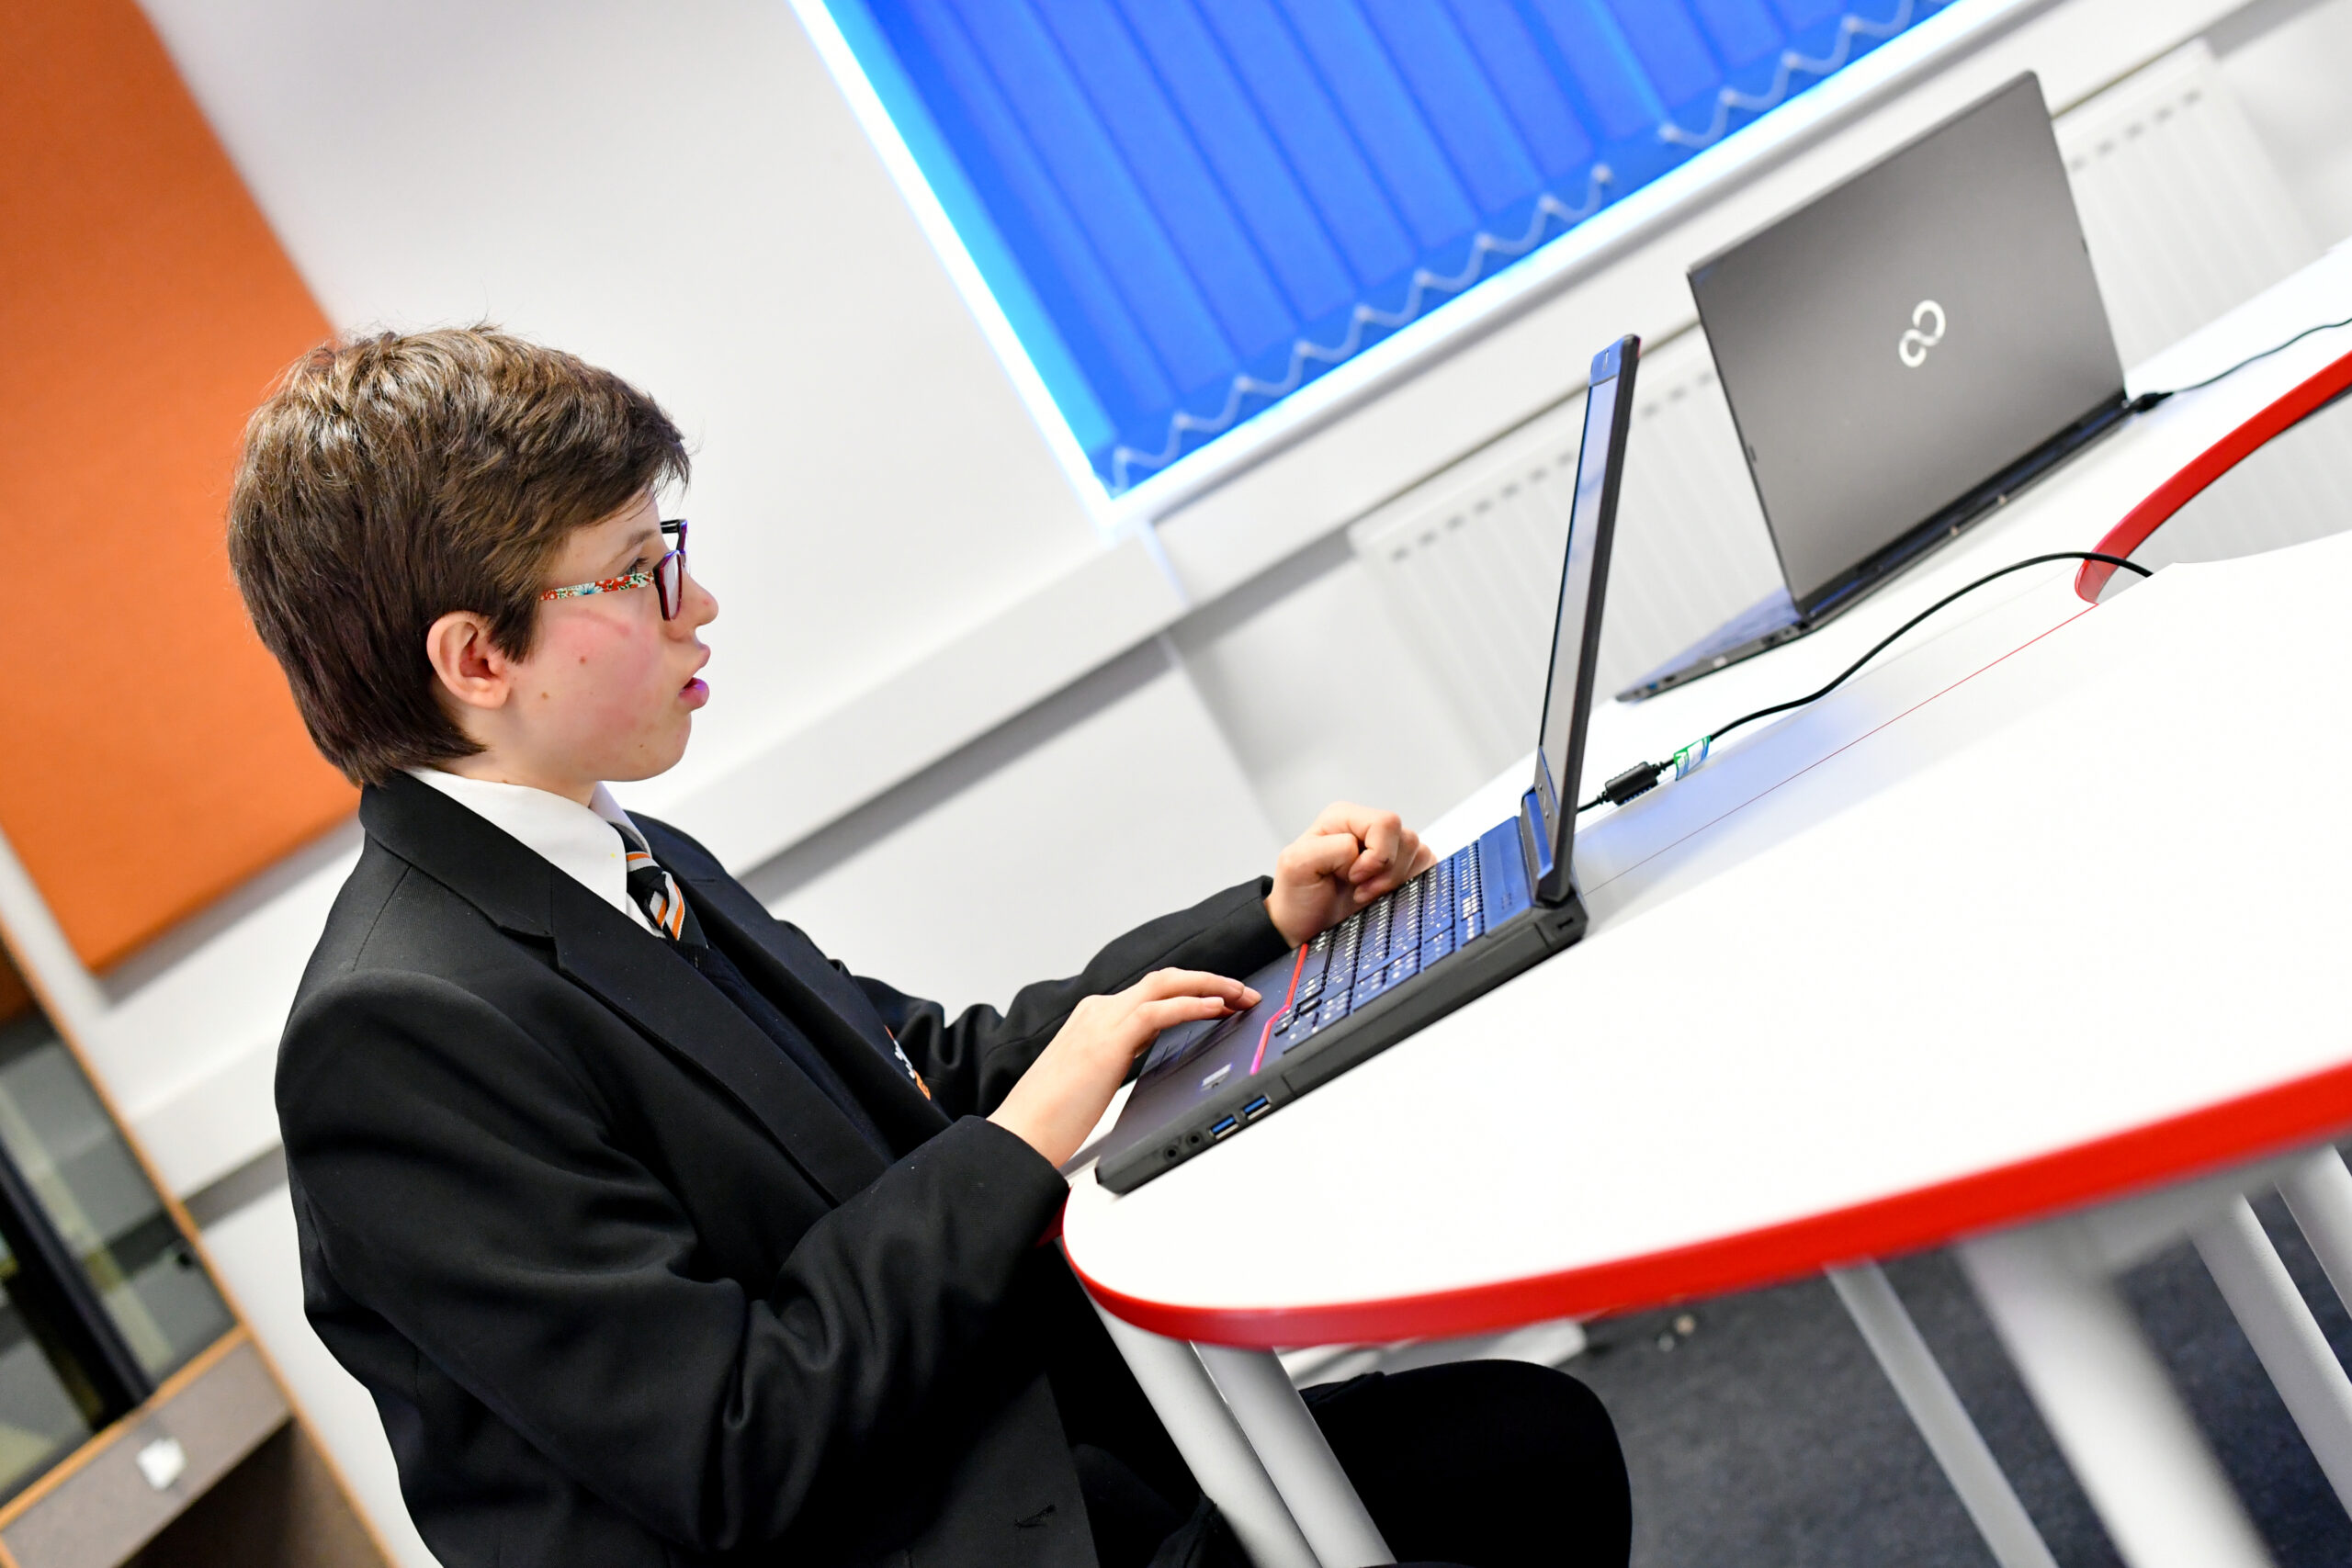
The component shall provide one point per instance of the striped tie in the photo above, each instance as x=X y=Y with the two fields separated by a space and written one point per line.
x=656 y=892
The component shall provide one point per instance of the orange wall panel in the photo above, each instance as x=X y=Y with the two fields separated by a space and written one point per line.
x=154 y=758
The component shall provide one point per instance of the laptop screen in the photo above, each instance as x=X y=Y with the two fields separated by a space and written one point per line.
x=1575 y=636
x=1905 y=335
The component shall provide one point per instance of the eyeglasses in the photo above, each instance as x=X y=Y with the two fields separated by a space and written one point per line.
x=666 y=577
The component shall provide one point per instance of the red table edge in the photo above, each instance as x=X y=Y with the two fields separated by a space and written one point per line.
x=2297 y=1114
x=2306 y=398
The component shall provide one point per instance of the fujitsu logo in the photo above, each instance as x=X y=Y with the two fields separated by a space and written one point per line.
x=1913 y=345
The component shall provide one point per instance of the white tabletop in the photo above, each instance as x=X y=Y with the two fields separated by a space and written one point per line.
x=2045 y=905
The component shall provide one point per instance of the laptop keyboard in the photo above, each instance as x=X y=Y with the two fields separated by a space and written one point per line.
x=1381 y=945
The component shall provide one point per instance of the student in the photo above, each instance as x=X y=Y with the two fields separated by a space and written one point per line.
x=658 y=1236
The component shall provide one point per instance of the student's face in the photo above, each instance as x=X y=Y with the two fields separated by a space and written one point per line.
x=610 y=689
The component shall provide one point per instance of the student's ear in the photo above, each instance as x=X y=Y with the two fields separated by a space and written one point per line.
x=470 y=667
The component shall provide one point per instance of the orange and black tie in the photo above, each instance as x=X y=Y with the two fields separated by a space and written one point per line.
x=657 y=892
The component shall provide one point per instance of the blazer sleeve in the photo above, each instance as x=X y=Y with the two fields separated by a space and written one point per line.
x=459 y=1178
x=972 y=1061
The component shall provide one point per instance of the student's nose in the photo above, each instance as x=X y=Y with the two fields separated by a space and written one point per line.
x=701 y=606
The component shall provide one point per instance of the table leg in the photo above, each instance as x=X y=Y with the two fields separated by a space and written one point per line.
x=2279 y=1324
x=2318 y=1194
x=1295 y=1453
x=1204 y=1432
x=2140 y=1458
x=1940 y=1418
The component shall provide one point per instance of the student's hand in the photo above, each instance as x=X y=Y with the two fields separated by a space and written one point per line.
x=1068 y=1088
x=1351 y=855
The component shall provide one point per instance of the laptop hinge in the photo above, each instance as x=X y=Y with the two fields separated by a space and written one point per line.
x=1534 y=849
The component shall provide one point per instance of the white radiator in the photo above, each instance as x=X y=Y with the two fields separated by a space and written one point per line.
x=1471 y=557
x=2183 y=209
x=2185 y=216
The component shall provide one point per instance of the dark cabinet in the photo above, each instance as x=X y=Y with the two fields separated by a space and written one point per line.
x=48 y=1405
x=139 y=1421
x=78 y=1202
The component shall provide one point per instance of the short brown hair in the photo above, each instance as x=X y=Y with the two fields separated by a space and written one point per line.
x=392 y=479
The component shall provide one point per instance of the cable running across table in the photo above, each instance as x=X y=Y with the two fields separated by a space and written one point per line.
x=1643 y=777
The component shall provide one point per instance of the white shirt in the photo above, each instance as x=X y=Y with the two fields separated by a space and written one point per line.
x=576 y=840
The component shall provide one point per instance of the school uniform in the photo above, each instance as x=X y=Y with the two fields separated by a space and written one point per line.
x=658 y=1238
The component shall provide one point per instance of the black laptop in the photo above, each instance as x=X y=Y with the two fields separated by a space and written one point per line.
x=1461 y=927
x=1902 y=355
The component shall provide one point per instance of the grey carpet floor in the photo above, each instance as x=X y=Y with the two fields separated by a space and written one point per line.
x=1765 y=1435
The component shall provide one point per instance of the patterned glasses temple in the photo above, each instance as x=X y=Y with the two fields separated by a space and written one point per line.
x=666 y=576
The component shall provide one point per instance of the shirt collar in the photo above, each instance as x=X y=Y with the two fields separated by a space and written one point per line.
x=576 y=840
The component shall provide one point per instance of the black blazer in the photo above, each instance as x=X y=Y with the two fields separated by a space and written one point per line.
x=626 y=1287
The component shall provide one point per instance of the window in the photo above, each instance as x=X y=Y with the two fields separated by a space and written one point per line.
x=1185 y=210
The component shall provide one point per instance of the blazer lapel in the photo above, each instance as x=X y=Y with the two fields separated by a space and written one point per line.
x=642 y=978
x=823 y=1001
x=634 y=972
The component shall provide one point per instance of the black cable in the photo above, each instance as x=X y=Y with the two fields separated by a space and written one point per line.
x=1643 y=777
x=2147 y=400
x=1880 y=646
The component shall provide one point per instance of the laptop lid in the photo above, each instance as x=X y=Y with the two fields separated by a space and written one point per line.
x=1548 y=817
x=1899 y=340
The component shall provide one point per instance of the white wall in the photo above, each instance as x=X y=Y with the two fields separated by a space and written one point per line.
x=1022 y=855
x=679 y=192
x=1321 y=696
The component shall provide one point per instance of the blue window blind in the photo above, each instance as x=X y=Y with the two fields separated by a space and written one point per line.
x=1187 y=209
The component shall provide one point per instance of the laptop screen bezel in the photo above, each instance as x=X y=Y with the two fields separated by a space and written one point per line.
x=1553 y=827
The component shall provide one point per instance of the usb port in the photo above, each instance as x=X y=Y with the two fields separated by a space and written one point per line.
x=1255 y=1109
x=1224 y=1127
